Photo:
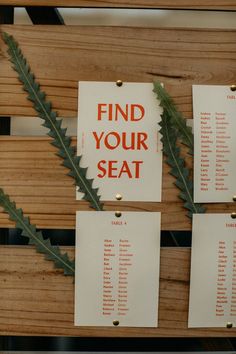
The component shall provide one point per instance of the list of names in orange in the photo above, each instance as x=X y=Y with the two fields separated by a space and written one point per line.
x=222 y=288
x=213 y=271
x=226 y=276
x=214 y=148
x=117 y=262
x=117 y=269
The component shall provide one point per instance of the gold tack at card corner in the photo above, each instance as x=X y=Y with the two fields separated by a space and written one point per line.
x=229 y=325
x=233 y=87
x=116 y=323
x=119 y=83
x=119 y=196
x=234 y=198
x=118 y=214
x=233 y=215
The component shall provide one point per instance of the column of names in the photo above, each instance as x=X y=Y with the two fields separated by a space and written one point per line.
x=222 y=291
x=117 y=261
x=108 y=301
x=125 y=262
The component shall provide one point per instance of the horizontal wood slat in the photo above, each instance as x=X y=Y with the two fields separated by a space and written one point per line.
x=60 y=56
x=152 y=4
x=36 y=299
x=31 y=174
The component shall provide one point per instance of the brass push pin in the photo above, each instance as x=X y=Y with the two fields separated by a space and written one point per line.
x=233 y=87
x=233 y=215
x=229 y=325
x=234 y=198
x=119 y=196
x=116 y=323
x=119 y=83
x=118 y=214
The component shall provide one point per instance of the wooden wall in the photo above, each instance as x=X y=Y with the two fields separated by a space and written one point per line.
x=177 y=57
x=36 y=299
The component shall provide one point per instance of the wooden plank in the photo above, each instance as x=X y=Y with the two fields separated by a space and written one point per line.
x=36 y=299
x=61 y=56
x=152 y=4
x=31 y=174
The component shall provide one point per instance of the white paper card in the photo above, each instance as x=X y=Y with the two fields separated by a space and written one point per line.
x=214 y=110
x=119 y=140
x=213 y=271
x=117 y=269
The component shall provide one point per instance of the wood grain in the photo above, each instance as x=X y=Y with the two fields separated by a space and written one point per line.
x=152 y=4
x=32 y=175
x=36 y=299
x=60 y=56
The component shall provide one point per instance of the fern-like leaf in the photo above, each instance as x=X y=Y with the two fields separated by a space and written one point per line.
x=177 y=164
x=58 y=134
x=22 y=222
x=178 y=121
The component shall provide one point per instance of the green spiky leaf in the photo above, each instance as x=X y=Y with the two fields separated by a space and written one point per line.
x=44 y=111
x=178 y=121
x=178 y=166
x=22 y=222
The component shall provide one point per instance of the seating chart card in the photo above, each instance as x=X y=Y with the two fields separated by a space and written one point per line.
x=213 y=271
x=119 y=140
x=214 y=110
x=117 y=269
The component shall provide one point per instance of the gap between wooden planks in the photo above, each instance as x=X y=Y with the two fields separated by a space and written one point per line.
x=167 y=4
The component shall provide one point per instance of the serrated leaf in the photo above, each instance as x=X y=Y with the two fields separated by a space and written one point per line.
x=35 y=237
x=178 y=166
x=43 y=108
x=178 y=121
